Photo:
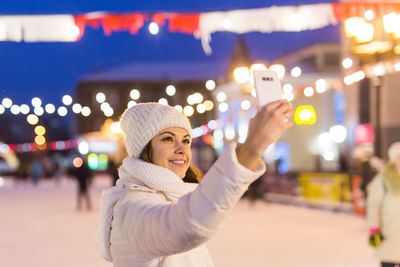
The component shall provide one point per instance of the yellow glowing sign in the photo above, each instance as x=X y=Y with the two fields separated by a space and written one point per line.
x=305 y=115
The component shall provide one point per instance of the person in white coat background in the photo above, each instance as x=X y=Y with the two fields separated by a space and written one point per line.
x=383 y=210
x=161 y=211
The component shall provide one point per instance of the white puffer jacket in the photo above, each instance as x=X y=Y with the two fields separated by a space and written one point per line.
x=158 y=220
x=383 y=211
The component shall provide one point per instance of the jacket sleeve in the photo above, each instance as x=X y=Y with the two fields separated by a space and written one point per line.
x=375 y=197
x=157 y=229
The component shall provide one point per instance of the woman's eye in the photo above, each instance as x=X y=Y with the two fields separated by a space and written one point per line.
x=186 y=141
x=168 y=138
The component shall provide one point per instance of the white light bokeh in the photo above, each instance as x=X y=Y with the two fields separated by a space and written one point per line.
x=223 y=107
x=229 y=132
x=25 y=109
x=347 y=63
x=245 y=104
x=320 y=86
x=39 y=111
x=7 y=102
x=253 y=92
x=170 y=90
x=241 y=74
x=198 y=98
x=2 y=109
x=154 y=28
x=289 y=96
x=36 y=102
x=279 y=69
x=134 y=94
x=67 y=100
x=188 y=111
x=329 y=156
x=309 y=91
x=115 y=127
x=369 y=15
x=62 y=111
x=85 y=111
x=296 y=72
x=109 y=112
x=77 y=108
x=179 y=108
x=163 y=101
x=212 y=124
x=131 y=103
x=100 y=97
x=287 y=88
x=201 y=108
x=83 y=147
x=338 y=133
x=221 y=97
x=397 y=66
x=191 y=100
x=210 y=85
x=324 y=140
x=50 y=108
x=379 y=70
x=15 y=109
x=104 y=106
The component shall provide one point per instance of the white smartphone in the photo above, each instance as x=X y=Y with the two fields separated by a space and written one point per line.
x=267 y=85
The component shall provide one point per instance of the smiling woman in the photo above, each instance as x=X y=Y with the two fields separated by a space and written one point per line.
x=156 y=215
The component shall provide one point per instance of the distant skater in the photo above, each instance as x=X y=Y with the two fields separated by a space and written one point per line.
x=83 y=176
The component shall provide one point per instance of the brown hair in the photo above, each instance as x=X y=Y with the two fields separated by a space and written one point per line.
x=193 y=174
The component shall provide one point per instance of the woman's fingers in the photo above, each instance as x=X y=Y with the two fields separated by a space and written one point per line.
x=280 y=109
x=274 y=105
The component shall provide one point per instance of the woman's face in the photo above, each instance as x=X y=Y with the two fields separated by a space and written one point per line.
x=171 y=150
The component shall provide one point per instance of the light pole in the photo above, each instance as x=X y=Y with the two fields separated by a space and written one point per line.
x=374 y=40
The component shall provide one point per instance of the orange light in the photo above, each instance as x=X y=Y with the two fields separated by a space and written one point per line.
x=77 y=162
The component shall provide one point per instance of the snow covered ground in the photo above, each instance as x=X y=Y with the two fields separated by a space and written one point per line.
x=40 y=227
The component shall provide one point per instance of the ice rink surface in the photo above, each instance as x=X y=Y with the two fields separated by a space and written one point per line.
x=39 y=226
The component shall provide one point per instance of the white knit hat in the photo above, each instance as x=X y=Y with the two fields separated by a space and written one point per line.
x=140 y=123
x=394 y=151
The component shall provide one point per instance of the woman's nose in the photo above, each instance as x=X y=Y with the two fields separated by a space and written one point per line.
x=180 y=148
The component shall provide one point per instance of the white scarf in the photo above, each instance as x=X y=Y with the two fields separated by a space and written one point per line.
x=136 y=173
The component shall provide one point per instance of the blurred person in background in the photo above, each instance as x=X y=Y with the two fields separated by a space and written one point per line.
x=36 y=170
x=383 y=210
x=83 y=176
x=163 y=211
x=22 y=174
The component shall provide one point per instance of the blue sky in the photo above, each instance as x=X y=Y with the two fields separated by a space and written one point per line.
x=50 y=70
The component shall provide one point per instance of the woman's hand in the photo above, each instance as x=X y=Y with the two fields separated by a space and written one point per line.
x=270 y=122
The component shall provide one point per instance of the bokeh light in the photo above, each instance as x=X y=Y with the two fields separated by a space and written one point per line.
x=32 y=119
x=210 y=85
x=170 y=90
x=40 y=130
x=50 y=108
x=67 y=100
